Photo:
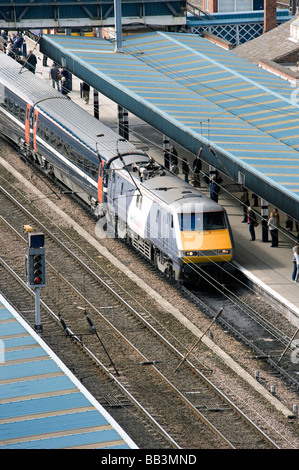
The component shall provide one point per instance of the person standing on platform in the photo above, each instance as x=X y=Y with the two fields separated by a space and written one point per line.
x=55 y=76
x=185 y=169
x=174 y=160
x=65 y=81
x=31 y=62
x=197 y=166
x=18 y=43
x=245 y=203
x=252 y=223
x=85 y=92
x=294 y=274
x=273 y=224
x=214 y=189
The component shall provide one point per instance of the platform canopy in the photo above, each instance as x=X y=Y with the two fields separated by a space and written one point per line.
x=198 y=94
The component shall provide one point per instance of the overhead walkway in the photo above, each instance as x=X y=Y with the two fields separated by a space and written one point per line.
x=43 y=406
x=199 y=95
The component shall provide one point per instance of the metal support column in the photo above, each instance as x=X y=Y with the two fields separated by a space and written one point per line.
x=96 y=103
x=265 y=216
x=38 y=325
x=123 y=122
x=166 y=147
x=118 y=26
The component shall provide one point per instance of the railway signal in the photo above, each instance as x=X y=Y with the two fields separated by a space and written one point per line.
x=35 y=268
x=35 y=259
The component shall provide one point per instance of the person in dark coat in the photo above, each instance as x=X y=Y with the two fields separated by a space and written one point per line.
x=185 y=169
x=174 y=160
x=65 y=81
x=18 y=42
x=31 y=62
x=85 y=92
x=252 y=223
x=214 y=189
x=197 y=166
x=55 y=76
x=245 y=203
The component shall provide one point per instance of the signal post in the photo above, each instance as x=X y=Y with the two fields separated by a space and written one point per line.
x=35 y=268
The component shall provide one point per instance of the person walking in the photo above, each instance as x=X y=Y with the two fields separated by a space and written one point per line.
x=185 y=169
x=252 y=222
x=294 y=274
x=273 y=224
x=214 y=189
x=55 y=76
x=245 y=203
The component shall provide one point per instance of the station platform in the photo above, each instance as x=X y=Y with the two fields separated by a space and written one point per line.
x=267 y=267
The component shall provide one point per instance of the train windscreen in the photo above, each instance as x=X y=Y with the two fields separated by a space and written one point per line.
x=202 y=222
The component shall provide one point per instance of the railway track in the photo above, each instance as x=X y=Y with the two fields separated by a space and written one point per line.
x=125 y=335
x=254 y=323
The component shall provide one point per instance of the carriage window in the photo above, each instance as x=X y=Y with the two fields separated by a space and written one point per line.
x=73 y=154
x=10 y=105
x=46 y=134
x=59 y=144
x=22 y=114
x=53 y=139
x=5 y=102
x=94 y=172
x=66 y=149
x=80 y=161
x=86 y=166
x=16 y=110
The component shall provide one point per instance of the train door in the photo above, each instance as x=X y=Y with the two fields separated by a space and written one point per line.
x=100 y=182
x=35 y=118
x=27 y=124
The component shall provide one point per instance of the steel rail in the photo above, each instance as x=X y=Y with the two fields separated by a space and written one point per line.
x=149 y=326
x=94 y=358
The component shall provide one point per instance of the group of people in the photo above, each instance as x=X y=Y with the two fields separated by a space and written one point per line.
x=249 y=216
x=171 y=160
x=15 y=46
x=60 y=78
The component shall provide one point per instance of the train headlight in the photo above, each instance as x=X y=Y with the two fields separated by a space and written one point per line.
x=190 y=253
x=224 y=252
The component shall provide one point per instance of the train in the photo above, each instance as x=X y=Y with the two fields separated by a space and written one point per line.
x=172 y=223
